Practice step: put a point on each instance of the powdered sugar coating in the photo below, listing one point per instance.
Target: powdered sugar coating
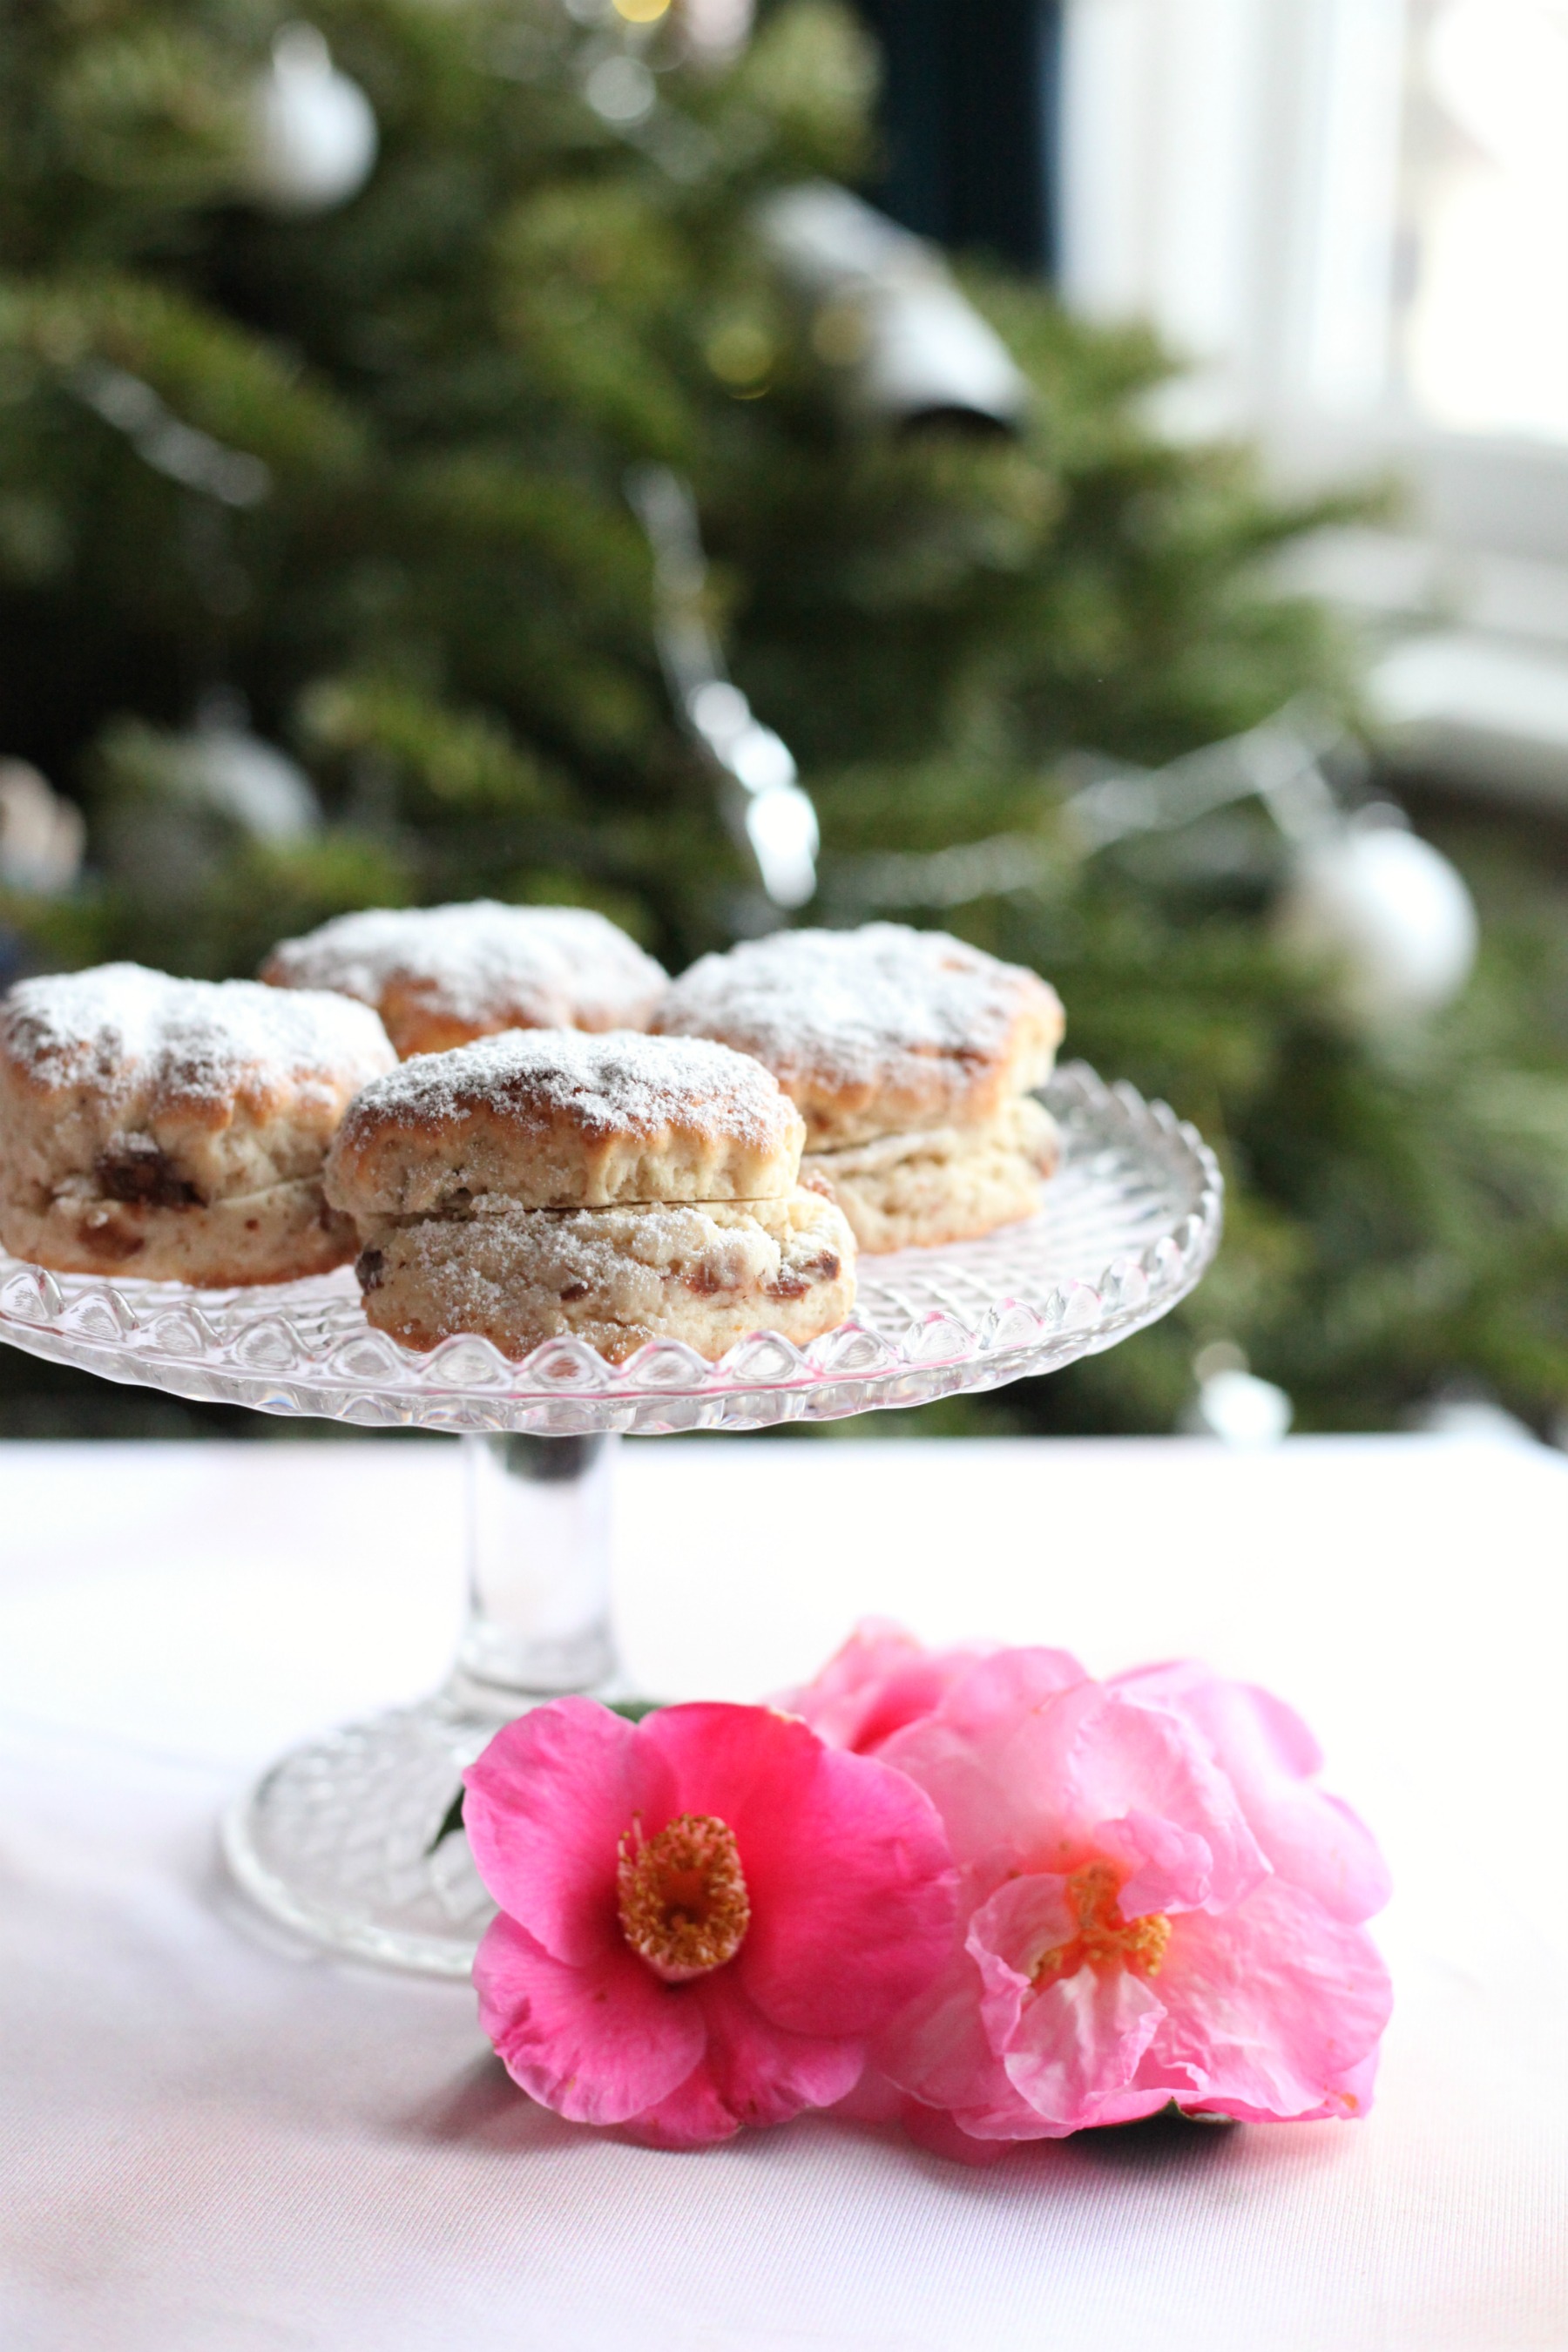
(875, 1029)
(124, 1032)
(440, 975)
(176, 1128)
(706, 1272)
(563, 1118)
(616, 1083)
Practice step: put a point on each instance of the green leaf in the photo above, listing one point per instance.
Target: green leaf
(452, 1823)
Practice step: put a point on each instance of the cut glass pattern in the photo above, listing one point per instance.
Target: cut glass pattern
(1127, 1227)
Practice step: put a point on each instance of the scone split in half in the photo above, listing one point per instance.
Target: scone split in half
(910, 1055)
(613, 1188)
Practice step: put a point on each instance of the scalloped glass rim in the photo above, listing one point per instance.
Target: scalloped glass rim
(1130, 1223)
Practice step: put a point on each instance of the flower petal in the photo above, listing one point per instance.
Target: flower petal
(1074, 2043)
(544, 1808)
(752, 2073)
(1167, 1867)
(1008, 1938)
(937, 2052)
(1132, 1766)
(1273, 2010)
(1076, 1774)
(872, 2099)
(694, 2115)
(998, 1686)
(765, 2074)
(851, 1884)
(854, 1900)
(1079, 2043)
(598, 2043)
(992, 1758)
(880, 1681)
(1268, 1755)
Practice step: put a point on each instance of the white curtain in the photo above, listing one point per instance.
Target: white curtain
(1230, 168)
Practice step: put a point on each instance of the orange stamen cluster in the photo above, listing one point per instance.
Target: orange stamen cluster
(682, 1896)
(1104, 1938)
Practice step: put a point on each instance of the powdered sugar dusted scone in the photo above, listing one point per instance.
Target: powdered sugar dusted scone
(622, 1188)
(441, 976)
(555, 1119)
(176, 1129)
(910, 1055)
(707, 1272)
(942, 1183)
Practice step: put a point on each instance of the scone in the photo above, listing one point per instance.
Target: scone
(617, 1188)
(176, 1129)
(910, 1057)
(441, 976)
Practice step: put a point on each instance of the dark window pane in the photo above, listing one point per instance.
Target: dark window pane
(970, 121)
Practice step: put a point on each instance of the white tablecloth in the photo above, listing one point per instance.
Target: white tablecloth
(212, 2140)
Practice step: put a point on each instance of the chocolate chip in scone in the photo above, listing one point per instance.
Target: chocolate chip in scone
(135, 1171)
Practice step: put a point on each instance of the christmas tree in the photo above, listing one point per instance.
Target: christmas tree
(345, 372)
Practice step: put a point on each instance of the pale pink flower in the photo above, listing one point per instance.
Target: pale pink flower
(880, 1680)
(704, 1916)
(1156, 1903)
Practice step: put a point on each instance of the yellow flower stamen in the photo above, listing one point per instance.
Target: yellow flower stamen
(1104, 1938)
(682, 1896)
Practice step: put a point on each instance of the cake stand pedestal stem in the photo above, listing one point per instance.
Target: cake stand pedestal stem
(342, 1838)
(539, 1573)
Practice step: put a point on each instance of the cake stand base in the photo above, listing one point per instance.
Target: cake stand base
(341, 1839)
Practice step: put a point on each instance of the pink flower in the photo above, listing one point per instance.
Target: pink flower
(704, 1916)
(1156, 1903)
(880, 1681)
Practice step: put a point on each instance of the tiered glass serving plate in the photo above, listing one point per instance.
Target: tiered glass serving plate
(340, 1838)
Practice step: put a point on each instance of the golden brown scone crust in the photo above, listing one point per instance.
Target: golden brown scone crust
(876, 1031)
(555, 1119)
(707, 1273)
(942, 1184)
(441, 976)
(175, 1129)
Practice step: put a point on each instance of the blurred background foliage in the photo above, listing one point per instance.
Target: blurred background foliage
(319, 588)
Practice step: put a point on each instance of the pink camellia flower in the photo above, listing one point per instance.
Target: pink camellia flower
(1157, 1905)
(704, 1916)
(880, 1681)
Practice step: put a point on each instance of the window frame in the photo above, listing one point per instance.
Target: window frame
(1206, 148)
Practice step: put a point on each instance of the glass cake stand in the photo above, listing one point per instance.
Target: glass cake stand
(342, 1838)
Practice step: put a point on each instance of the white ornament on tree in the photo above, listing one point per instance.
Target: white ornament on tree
(313, 136)
(222, 769)
(188, 802)
(715, 30)
(41, 837)
(1386, 914)
(909, 344)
